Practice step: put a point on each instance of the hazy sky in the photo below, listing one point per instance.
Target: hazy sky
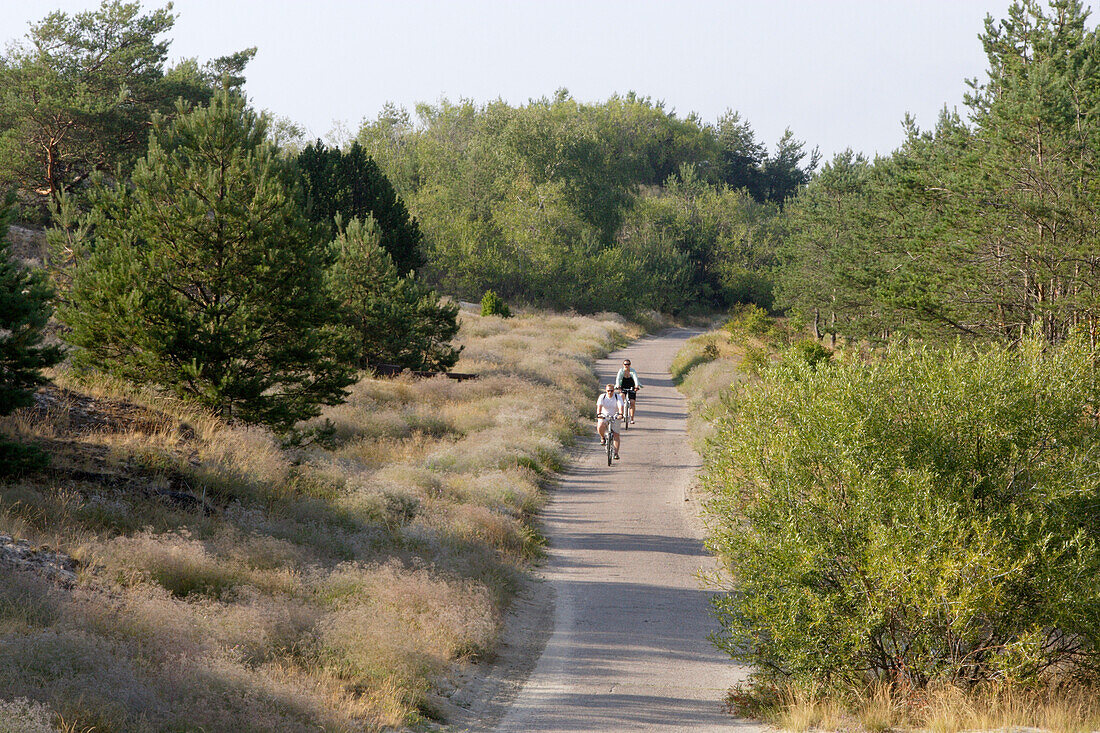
(840, 73)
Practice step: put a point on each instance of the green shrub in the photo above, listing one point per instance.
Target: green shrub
(929, 516)
(744, 285)
(755, 360)
(223, 302)
(393, 319)
(17, 459)
(493, 305)
(24, 310)
(748, 320)
(812, 352)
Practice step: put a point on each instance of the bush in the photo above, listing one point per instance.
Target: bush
(493, 305)
(930, 516)
(17, 459)
(755, 360)
(812, 352)
(748, 321)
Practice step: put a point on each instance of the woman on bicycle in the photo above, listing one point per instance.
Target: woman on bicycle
(608, 407)
(626, 381)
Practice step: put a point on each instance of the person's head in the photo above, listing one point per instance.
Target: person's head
(609, 389)
(626, 364)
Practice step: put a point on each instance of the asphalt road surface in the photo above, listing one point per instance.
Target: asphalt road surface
(629, 647)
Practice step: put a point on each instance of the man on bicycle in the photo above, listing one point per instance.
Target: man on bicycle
(608, 407)
(626, 381)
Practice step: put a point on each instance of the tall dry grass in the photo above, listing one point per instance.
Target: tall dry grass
(228, 581)
(938, 709)
(706, 366)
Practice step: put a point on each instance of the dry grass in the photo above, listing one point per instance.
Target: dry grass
(707, 365)
(229, 582)
(940, 709)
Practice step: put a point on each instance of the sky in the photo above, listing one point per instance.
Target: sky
(839, 73)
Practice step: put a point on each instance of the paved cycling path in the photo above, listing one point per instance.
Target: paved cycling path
(628, 649)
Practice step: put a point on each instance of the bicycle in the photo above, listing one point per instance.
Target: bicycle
(626, 409)
(611, 432)
(629, 405)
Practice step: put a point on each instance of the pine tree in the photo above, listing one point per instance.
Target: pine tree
(24, 311)
(206, 278)
(1037, 139)
(78, 94)
(742, 156)
(396, 320)
(784, 173)
(350, 185)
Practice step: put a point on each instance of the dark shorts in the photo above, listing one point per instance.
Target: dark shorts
(632, 394)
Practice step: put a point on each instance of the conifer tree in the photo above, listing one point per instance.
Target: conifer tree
(206, 278)
(396, 320)
(24, 310)
(742, 156)
(352, 186)
(77, 95)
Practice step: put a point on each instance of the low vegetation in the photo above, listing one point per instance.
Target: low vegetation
(908, 535)
(938, 708)
(230, 580)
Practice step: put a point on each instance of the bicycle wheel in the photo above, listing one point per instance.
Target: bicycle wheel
(610, 443)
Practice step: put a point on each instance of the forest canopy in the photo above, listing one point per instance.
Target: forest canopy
(591, 206)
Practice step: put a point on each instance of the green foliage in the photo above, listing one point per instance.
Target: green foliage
(342, 186)
(395, 320)
(78, 96)
(746, 166)
(700, 245)
(66, 241)
(928, 516)
(221, 302)
(824, 271)
(742, 155)
(755, 360)
(748, 321)
(593, 207)
(24, 311)
(812, 352)
(17, 459)
(493, 305)
(983, 227)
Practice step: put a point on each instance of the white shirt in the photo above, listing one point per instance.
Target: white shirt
(608, 405)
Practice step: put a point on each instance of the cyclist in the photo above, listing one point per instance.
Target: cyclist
(608, 407)
(626, 381)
